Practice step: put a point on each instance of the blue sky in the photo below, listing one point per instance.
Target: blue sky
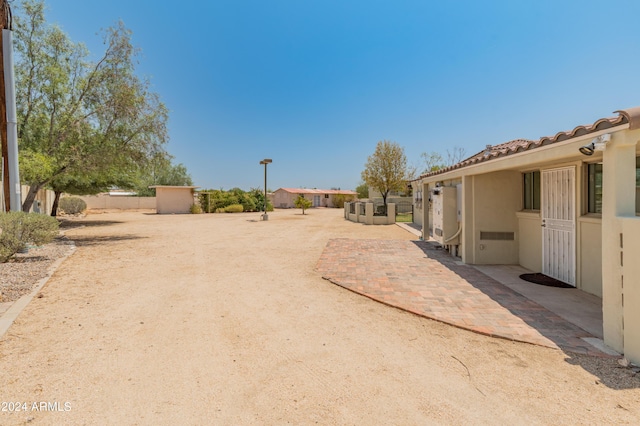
(315, 84)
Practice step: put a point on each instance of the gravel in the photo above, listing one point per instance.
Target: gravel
(23, 271)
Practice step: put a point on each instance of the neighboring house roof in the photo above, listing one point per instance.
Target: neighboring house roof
(173, 186)
(629, 116)
(317, 191)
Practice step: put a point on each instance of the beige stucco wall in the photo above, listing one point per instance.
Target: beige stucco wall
(173, 200)
(530, 240)
(598, 257)
(283, 199)
(631, 273)
(365, 215)
(496, 199)
(619, 172)
(590, 255)
(119, 202)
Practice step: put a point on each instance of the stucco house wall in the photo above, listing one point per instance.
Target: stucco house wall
(590, 255)
(602, 243)
(494, 212)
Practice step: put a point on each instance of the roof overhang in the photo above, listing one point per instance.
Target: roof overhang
(558, 152)
(511, 153)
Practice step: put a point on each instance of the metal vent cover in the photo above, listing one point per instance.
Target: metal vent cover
(497, 236)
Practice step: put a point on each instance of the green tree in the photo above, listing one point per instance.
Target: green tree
(302, 203)
(159, 170)
(340, 199)
(363, 191)
(89, 183)
(434, 161)
(214, 199)
(77, 117)
(386, 169)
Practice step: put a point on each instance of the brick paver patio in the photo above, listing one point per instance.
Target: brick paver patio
(418, 277)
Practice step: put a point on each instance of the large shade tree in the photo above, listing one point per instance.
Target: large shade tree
(386, 169)
(81, 123)
(161, 171)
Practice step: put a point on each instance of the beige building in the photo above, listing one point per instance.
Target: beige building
(43, 202)
(284, 198)
(566, 206)
(174, 199)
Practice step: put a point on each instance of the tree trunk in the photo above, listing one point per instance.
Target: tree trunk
(31, 196)
(56, 201)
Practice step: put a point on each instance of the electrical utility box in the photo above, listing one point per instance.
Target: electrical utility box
(445, 214)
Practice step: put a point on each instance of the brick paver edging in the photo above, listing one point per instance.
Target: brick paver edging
(419, 278)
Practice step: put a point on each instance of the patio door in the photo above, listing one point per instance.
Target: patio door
(559, 224)
(316, 201)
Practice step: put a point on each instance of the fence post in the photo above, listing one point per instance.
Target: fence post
(391, 213)
(368, 209)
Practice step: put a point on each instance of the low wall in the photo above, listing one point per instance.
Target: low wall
(365, 215)
(120, 202)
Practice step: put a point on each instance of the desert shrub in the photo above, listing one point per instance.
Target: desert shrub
(234, 208)
(213, 200)
(72, 205)
(220, 210)
(248, 202)
(195, 209)
(340, 199)
(18, 229)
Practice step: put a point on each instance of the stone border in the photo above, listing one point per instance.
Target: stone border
(7, 319)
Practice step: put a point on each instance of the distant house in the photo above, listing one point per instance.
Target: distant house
(284, 198)
(566, 206)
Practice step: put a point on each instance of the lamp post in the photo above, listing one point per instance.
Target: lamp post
(265, 162)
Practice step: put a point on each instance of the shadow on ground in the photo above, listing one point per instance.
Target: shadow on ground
(418, 277)
(608, 371)
(71, 224)
(84, 240)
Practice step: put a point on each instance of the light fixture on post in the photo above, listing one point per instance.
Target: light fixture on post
(265, 162)
(597, 144)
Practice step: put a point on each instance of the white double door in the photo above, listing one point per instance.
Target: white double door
(559, 224)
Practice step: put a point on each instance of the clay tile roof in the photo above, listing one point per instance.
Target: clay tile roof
(629, 116)
(632, 115)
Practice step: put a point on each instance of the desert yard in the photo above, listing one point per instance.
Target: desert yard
(223, 319)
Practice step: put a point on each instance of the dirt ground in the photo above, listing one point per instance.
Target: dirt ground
(222, 319)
